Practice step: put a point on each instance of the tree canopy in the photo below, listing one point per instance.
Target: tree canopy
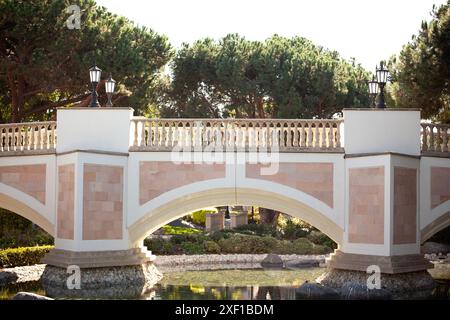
(280, 77)
(421, 72)
(44, 64)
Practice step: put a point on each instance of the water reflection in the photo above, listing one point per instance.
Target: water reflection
(225, 285)
(176, 292)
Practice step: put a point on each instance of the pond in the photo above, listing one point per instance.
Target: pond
(254, 284)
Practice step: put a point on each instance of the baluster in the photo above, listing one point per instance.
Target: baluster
(141, 142)
(32, 138)
(44, 137)
(309, 134)
(156, 134)
(135, 133)
(424, 137)
(431, 144)
(444, 139)
(338, 135)
(316, 135)
(288, 138)
(256, 130)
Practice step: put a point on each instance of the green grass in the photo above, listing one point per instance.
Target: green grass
(179, 230)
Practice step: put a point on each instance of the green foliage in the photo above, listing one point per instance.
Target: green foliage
(16, 231)
(257, 229)
(421, 72)
(293, 231)
(168, 229)
(238, 243)
(320, 238)
(44, 64)
(278, 78)
(199, 217)
(192, 248)
(229, 242)
(16, 257)
(159, 246)
(212, 247)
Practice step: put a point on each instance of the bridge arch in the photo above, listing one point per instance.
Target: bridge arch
(179, 207)
(434, 227)
(22, 204)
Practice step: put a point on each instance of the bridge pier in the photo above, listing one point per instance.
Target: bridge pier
(382, 191)
(91, 234)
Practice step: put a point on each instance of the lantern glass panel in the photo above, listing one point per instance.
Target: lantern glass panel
(110, 85)
(95, 74)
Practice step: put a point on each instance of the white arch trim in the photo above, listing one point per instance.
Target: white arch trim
(434, 227)
(20, 208)
(180, 206)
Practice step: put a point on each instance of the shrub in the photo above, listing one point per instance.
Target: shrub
(320, 249)
(212, 247)
(192, 248)
(193, 238)
(292, 231)
(239, 243)
(258, 229)
(320, 238)
(159, 246)
(16, 257)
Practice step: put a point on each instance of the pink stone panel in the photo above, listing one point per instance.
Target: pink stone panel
(66, 201)
(29, 179)
(440, 185)
(315, 179)
(405, 205)
(102, 202)
(156, 178)
(366, 205)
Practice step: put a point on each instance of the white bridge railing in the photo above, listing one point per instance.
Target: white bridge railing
(236, 134)
(435, 138)
(223, 134)
(27, 137)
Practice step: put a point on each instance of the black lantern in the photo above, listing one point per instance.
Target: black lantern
(382, 78)
(109, 88)
(95, 74)
(373, 90)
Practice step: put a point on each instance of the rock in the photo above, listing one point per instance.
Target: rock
(357, 291)
(29, 296)
(315, 291)
(434, 247)
(410, 285)
(119, 282)
(306, 263)
(272, 261)
(7, 277)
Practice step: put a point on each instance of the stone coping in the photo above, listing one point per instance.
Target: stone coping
(379, 109)
(387, 264)
(110, 153)
(371, 154)
(23, 153)
(94, 108)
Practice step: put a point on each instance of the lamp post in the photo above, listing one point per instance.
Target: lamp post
(373, 90)
(109, 88)
(382, 77)
(95, 74)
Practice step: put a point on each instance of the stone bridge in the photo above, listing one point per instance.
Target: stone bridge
(100, 180)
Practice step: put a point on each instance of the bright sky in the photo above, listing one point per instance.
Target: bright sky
(369, 30)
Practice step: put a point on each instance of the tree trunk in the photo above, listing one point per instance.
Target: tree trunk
(268, 216)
